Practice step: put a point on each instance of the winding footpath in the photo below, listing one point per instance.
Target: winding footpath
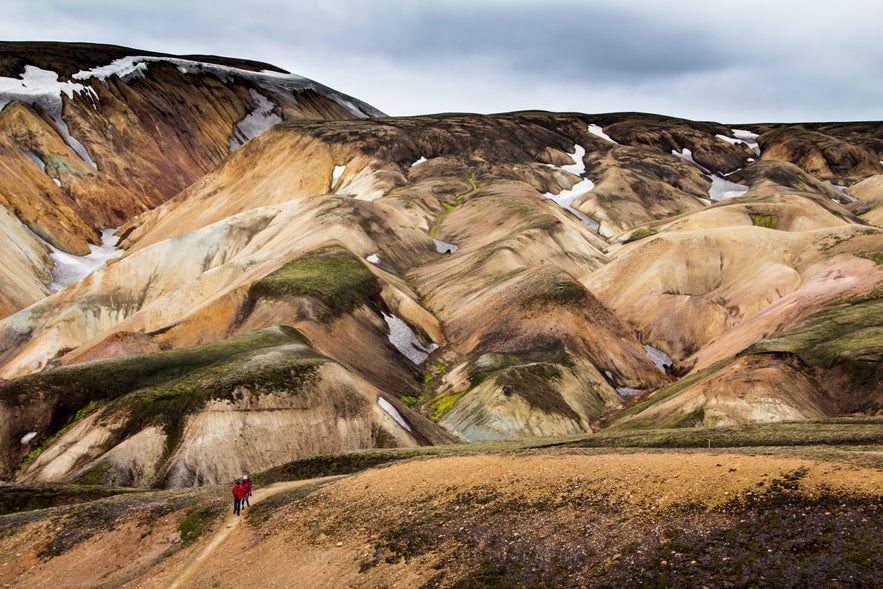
(231, 524)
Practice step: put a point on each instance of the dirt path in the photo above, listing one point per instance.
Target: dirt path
(231, 524)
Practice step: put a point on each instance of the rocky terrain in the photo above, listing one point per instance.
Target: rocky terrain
(778, 505)
(212, 267)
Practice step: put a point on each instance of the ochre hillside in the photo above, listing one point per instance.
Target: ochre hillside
(296, 270)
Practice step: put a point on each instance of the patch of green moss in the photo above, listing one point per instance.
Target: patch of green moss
(666, 393)
(850, 333)
(331, 275)
(876, 257)
(93, 476)
(537, 385)
(192, 526)
(565, 294)
(639, 234)
(164, 386)
(442, 404)
(767, 221)
(492, 362)
(168, 403)
(693, 419)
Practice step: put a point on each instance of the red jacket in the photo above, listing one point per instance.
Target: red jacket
(246, 486)
(238, 492)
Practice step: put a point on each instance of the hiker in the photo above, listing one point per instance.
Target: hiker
(246, 487)
(238, 494)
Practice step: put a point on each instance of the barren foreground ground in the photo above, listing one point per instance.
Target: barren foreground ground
(532, 518)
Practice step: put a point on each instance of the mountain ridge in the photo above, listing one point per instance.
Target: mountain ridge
(556, 273)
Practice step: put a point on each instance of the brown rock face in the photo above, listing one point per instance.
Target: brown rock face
(98, 147)
(488, 276)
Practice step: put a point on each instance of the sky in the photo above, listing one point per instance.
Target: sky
(731, 61)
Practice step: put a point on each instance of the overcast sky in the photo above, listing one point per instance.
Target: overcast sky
(725, 60)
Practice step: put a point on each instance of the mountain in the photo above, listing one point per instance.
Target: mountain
(298, 274)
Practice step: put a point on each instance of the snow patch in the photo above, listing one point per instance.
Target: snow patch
(687, 154)
(28, 437)
(420, 161)
(748, 138)
(598, 131)
(285, 84)
(373, 259)
(255, 122)
(628, 391)
(33, 157)
(335, 175)
(393, 412)
(722, 189)
(578, 167)
(39, 87)
(404, 340)
(70, 269)
(444, 247)
(660, 358)
(842, 190)
(565, 198)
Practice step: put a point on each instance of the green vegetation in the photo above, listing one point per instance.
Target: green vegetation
(639, 234)
(851, 333)
(876, 257)
(331, 275)
(442, 404)
(192, 526)
(94, 476)
(767, 221)
(565, 293)
(666, 392)
(161, 388)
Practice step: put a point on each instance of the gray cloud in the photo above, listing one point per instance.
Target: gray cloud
(723, 60)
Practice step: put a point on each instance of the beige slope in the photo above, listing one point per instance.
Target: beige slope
(25, 261)
(748, 390)
(735, 284)
(869, 193)
(223, 440)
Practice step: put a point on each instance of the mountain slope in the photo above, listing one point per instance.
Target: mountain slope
(490, 277)
(97, 134)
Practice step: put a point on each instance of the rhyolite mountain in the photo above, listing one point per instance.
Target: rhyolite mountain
(300, 274)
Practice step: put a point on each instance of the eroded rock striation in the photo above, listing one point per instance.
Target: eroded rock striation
(486, 277)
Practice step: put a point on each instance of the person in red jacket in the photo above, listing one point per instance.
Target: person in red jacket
(246, 487)
(238, 494)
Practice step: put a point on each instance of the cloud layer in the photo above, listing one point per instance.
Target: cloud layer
(745, 61)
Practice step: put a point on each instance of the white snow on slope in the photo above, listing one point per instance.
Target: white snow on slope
(598, 131)
(393, 412)
(39, 87)
(687, 154)
(255, 122)
(742, 136)
(70, 269)
(565, 198)
(720, 188)
(374, 259)
(420, 161)
(444, 247)
(748, 138)
(287, 84)
(660, 358)
(404, 340)
(335, 175)
(578, 167)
